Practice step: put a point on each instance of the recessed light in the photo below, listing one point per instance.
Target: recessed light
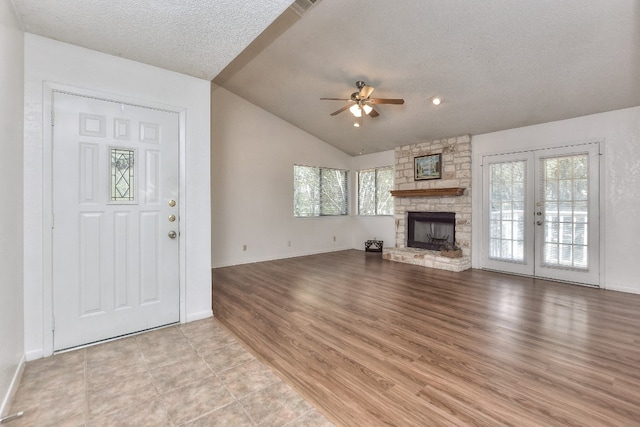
(356, 125)
(436, 100)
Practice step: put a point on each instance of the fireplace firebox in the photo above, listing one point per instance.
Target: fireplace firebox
(431, 230)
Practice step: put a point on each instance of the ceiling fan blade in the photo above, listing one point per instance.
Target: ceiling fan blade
(365, 92)
(335, 113)
(334, 99)
(374, 113)
(386, 101)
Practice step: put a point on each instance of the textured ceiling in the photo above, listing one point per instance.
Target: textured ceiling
(194, 37)
(498, 64)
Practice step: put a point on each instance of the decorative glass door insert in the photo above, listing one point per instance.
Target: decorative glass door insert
(122, 175)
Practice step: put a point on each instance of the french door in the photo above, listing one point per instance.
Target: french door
(115, 219)
(541, 213)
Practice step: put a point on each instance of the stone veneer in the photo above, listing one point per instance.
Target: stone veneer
(426, 258)
(456, 172)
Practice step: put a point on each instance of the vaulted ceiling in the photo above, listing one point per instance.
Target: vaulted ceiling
(497, 64)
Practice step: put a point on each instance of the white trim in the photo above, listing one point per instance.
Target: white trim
(34, 355)
(602, 212)
(182, 209)
(48, 90)
(250, 260)
(13, 388)
(199, 316)
(553, 146)
(622, 288)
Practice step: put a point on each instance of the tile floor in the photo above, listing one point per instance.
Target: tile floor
(195, 374)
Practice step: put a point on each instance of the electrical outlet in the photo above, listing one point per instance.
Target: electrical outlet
(334, 238)
(289, 243)
(244, 247)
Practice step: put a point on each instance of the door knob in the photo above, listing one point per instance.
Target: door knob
(172, 218)
(172, 234)
(172, 203)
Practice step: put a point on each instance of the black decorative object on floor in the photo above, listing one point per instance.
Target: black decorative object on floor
(373, 245)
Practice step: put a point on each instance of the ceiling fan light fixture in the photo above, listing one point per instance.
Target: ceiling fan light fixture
(436, 100)
(360, 101)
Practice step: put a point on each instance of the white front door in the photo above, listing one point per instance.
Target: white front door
(541, 213)
(115, 212)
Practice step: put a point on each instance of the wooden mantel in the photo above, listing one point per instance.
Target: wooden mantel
(429, 192)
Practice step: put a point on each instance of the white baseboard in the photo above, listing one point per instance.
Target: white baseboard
(621, 288)
(192, 317)
(232, 262)
(13, 388)
(34, 354)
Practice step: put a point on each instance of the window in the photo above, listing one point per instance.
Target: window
(374, 191)
(319, 191)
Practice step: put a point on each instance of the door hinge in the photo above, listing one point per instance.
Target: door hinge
(52, 220)
(53, 323)
(53, 118)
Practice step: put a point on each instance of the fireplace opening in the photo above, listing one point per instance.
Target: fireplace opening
(431, 230)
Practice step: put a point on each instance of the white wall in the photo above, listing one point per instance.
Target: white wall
(252, 158)
(619, 134)
(11, 171)
(51, 62)
(371, 227)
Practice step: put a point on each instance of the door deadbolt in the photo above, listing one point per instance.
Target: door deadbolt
(172, 234)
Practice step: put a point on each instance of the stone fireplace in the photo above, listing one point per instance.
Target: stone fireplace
(448, 197)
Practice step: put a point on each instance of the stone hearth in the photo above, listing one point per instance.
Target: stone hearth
(427, 258)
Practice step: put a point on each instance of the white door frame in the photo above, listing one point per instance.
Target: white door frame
(478, 251)
(47, 194)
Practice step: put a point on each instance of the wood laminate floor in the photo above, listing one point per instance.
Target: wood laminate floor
(373, 342)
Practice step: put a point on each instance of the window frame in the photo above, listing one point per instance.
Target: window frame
(375, 171)
(321, 213)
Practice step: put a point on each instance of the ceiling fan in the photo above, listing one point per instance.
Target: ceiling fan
(360, 101)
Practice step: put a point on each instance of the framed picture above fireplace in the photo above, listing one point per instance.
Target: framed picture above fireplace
(428, 167)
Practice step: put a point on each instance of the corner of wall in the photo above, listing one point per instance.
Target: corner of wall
(13, 388)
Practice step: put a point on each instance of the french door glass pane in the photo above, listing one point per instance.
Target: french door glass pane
(507, 203)
(565, 211)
